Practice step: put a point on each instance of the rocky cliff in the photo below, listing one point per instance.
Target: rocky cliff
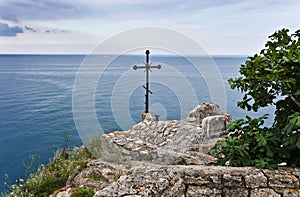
(167, 158)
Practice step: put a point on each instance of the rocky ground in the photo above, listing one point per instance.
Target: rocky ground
(171, 142)
(137, 179)
(166, 158)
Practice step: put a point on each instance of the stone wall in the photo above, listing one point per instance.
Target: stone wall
(192, 181)
(145, 179)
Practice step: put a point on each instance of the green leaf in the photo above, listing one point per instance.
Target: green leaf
(298, 92)
(298, 143)
(290, 80)
(285, 59)
(269, 152)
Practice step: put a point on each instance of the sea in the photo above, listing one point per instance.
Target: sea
(45, 97)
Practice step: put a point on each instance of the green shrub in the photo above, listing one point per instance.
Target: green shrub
(83, 192)
(249, 144)
(268, 78)
(52, 176)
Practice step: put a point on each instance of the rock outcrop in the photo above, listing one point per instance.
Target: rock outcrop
(165, 158)
(147, 179)
(171, 142)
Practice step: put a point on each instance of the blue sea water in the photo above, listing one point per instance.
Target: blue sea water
(36, 102)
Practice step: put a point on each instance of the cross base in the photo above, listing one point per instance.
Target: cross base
(146, 117)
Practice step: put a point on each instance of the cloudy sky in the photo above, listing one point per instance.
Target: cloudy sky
(77, 26)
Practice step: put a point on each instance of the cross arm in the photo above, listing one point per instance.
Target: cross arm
(135, 67)
(158, 66)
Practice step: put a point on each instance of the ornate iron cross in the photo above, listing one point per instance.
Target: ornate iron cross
(147, 68)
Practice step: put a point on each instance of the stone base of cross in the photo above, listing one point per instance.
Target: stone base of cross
(146, 116)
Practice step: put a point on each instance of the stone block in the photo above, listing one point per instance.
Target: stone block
(263, 192)
(291, 192)
(256, 179)
(232, 181)
(203, 110)
(236, 192)
(196, 191)
(213, 124)
(283, 180)
(216, 181)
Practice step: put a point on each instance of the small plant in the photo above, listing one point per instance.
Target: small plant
(83, 192)
(147, 156)
(29, 166)
(118, 173)
(5, 186)
(93, 176)
(66, 146)
(17, 190)
(94, 145)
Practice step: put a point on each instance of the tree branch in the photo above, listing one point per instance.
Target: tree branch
(295, 101)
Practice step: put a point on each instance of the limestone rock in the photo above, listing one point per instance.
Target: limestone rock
(256, 179)
(136, 178)
(205, 110)
(262, 192)
(196, 191)
(173, 141)
(165, 158)
(99, 175)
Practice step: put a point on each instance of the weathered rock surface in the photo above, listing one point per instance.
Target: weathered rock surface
(147, 179)
(171, 142)
(164, 158)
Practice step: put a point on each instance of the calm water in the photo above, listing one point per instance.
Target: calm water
(36, 101)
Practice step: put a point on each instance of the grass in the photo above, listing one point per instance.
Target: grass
(52, 176)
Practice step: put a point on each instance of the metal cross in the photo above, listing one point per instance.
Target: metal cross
(147, 67)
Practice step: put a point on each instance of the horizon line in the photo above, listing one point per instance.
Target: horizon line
(137, 54)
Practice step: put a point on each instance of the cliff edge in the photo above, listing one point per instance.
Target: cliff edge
(167, 158)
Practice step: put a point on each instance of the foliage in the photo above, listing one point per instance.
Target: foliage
(290, 135)
(144, 156)
(53, 176)
(66, 146)
(83, 192)
(94, 145)
(94, 176)
(29, 166)
(249, 144)
(274, 72)
(268, 78)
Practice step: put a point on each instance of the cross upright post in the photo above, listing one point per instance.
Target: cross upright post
(147, 68)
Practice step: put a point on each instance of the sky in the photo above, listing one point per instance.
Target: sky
(221, 27)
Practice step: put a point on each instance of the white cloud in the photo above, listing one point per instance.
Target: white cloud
(223, 26)
(19, 10)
